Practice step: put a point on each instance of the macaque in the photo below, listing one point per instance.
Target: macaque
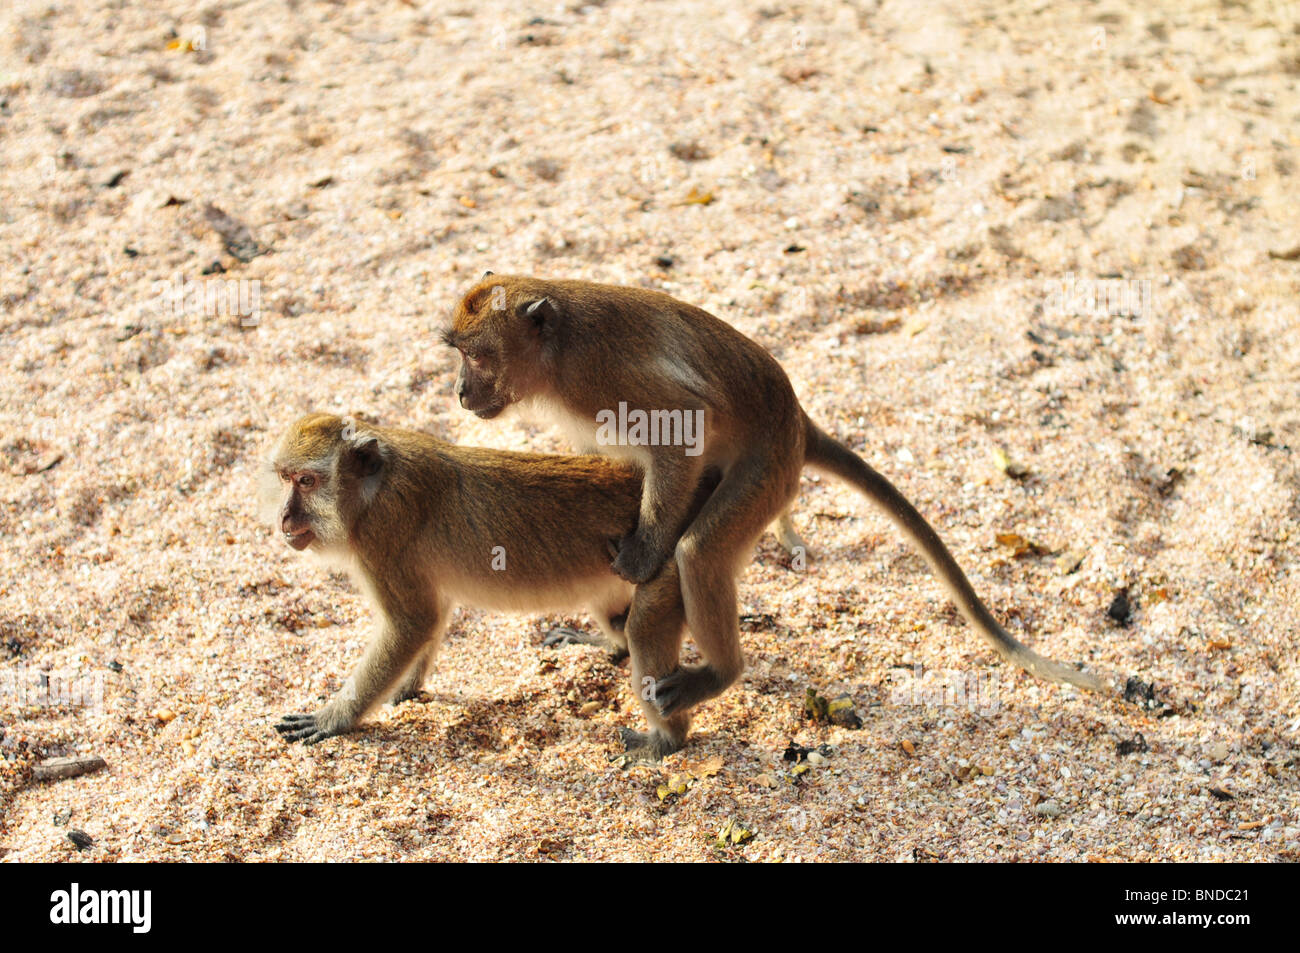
(423, 525)
(641, 376)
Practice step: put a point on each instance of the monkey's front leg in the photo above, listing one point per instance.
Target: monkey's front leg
(666, 499)
(390, 654)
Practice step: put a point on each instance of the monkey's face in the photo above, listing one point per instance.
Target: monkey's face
(498, 330)
(479, 383)
(297, 512)
(317, 482)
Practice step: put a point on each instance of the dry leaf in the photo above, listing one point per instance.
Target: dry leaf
(733, 833)
(1017, 471)
(878, 325)
(704, 769)
(1069, 562)
(696, 197)
(676, 787)
(1018, 545)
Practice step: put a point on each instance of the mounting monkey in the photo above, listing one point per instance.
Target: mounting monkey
(574, 353)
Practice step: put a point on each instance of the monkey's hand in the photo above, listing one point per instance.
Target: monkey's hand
(310, 729)
(639, 557)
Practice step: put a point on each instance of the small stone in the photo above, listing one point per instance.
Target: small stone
(1121, 610)
(1069, 562)
(59, 769)
(1048, 809)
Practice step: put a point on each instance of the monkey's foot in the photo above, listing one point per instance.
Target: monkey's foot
(309, 729)
(563, 635)
(411, 695)
(638, 559)
(645, 746)
(683, 689)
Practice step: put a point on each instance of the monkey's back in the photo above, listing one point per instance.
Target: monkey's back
(540, 524)
(696, 351)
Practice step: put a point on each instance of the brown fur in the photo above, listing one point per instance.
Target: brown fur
(418, 521)
(572, 349)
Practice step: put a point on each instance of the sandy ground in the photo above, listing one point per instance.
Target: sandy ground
(905, 202)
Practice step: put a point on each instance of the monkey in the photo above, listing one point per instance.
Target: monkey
(422, 526)
(570, 352)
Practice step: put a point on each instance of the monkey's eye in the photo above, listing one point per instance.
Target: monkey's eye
(306, 481)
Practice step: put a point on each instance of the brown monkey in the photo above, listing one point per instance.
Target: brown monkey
(577, 353)
(423, 525)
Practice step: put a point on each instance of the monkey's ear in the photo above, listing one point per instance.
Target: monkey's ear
(364, 459)
(364, 456)
(541, 311)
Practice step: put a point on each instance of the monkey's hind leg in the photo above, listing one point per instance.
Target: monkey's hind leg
(709, 555)
(654, 635)
(409, 687)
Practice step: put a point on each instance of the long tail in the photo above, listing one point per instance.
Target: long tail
(826, 454)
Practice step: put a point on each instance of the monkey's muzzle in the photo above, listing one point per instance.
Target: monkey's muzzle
(300, 540)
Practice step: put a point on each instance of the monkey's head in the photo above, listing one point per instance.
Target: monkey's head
(321, 475)
(500, 329)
